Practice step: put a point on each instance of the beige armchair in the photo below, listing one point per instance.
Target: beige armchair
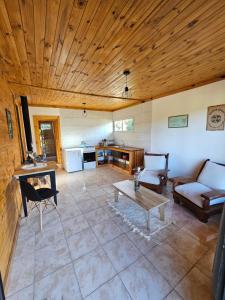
(154, 175)
(204, 195)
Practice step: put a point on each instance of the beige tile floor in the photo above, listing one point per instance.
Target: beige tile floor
(86, 252)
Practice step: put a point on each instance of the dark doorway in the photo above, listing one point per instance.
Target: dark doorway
(47, 139)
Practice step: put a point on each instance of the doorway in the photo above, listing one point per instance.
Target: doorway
(47, 139)
(47, 135)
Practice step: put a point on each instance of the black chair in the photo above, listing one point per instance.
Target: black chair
(38, 196)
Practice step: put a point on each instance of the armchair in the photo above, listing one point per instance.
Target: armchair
(154, 175)
(204, 195)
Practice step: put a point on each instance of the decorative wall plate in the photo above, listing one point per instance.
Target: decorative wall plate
(216, 117)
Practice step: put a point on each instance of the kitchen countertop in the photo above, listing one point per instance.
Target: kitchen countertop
(117, 147)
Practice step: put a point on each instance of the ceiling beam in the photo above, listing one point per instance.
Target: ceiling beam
(74, 93)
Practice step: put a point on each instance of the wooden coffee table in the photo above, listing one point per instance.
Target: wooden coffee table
(143, 197)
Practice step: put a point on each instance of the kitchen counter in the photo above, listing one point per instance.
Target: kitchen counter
(124, 158)
(118, 148)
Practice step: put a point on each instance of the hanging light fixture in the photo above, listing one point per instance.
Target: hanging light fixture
(126, 92)
(84, 111)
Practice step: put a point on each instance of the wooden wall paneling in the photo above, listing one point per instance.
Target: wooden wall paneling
(39, 30)
(13, 10)
(60, 31)
(97, 29)
(59, 45)
(51, 21)
(10, 201)
(84, 25)
(72, 27)
(27, 16)
(93, 57)
(148, 53)
(9, 42)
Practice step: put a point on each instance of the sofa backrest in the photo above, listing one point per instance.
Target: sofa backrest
(155, 162)
(213, 175)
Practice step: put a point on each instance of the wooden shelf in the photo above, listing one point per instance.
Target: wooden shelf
(133, 157)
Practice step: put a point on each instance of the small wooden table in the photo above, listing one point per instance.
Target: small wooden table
(143, 197)
(24, 174)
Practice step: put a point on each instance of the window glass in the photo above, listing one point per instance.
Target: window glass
(128, 125)
(118, 125)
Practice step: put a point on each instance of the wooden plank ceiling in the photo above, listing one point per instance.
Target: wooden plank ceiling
(64, 53)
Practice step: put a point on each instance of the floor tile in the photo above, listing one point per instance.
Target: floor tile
(106, 231)
(48, 237)
(24, 251)
(144, 282)
(51, 258)
(93, 270)
(82, 243)
(70, 211)
(24, 294)
(97, 216)
(195, 286)
(87, 206)
(173, 296)
(121, 252)
(112, 290)
(169, 263)
(61, 284)
(187, 246)
(205, 264)
(140, 242)
(122, 225)
(21, 274)
(74, 225)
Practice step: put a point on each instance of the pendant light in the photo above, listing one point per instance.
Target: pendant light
(84, 111)
(126, 92)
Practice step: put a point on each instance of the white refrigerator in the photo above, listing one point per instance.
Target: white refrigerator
(72, 160)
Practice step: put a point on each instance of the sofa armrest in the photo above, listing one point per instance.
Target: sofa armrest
(214, 194)
(181, 180)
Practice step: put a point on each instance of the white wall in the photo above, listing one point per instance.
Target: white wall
(141, 136)
(75, 128)
(188, 146)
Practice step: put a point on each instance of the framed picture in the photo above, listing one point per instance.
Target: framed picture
(216, 118)
(179, 121)
(9, 123)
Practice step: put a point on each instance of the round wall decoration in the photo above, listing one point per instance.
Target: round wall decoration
(216, 117)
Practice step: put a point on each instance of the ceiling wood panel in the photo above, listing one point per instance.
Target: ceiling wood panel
(63, 53)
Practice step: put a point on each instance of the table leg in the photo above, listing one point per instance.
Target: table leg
(149, 220)
(24, 201)
(162, 213)
(116, 194)
(53, 184)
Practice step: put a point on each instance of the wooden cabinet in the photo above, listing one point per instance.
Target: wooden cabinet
(123, 158)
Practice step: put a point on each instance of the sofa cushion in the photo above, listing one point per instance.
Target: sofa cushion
(154, 162)
(192, 191)
(213, 176)
(149, 177)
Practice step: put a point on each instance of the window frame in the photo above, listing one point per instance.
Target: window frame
(122, 120)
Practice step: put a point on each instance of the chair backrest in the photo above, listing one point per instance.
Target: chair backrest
(212, 175)
(29, 191)
(156, 161)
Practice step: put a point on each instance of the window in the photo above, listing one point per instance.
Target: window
(118, 125)
(124, 125)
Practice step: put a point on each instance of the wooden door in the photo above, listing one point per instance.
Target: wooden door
(47, 138)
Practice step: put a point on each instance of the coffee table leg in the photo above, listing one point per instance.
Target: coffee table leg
(149, 220)
(116, 194)
(162, 213)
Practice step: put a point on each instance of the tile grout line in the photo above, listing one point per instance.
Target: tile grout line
(116, 272)
(71, 260)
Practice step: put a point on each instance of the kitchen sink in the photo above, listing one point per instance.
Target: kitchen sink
(32, 166)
